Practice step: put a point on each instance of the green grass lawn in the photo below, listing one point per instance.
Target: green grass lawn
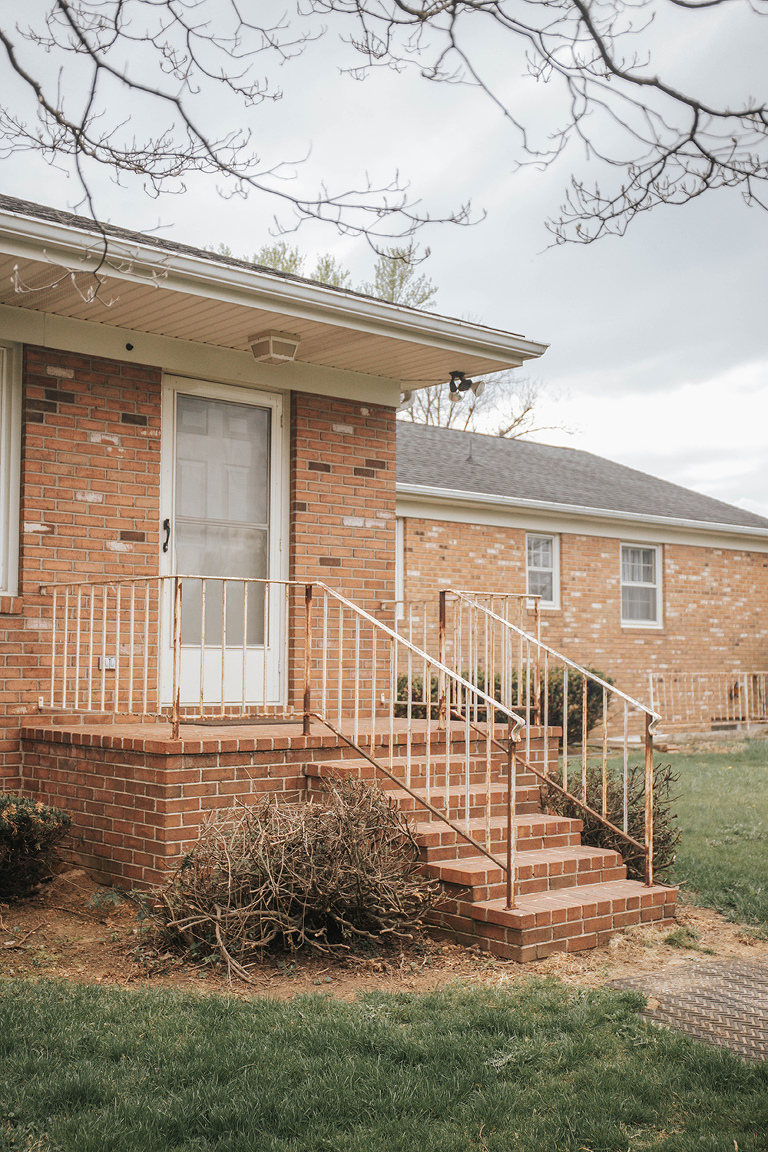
(538, 1068)
(723, 815)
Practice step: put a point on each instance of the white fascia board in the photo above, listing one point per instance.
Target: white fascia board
(575, 517)
(185, 358)
(66, 246)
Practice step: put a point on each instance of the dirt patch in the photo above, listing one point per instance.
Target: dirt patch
(74, 929)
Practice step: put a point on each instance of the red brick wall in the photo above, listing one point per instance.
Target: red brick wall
(715, 601)
(343, 497)
(90, 481)
(90, 490)
(342, 533)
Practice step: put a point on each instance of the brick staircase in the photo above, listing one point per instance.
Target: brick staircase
(568, 897)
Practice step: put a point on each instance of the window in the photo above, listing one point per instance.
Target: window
(10, 441)
(640, 585)
(542, 567)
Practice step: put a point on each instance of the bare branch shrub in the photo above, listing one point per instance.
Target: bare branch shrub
(295, 875)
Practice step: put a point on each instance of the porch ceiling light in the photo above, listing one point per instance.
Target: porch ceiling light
(274, 347)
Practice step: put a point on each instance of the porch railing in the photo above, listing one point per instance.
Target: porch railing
(703, 700)
(167, 646)
(546, 689)
(440, 726)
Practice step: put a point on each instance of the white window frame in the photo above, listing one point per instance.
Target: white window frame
(10, 466)
(399, 568)
(657, 551)
(555, 601)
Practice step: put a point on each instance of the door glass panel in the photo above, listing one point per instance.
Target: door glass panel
(222, 517)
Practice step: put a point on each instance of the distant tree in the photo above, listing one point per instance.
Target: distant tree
(280, 257)
(395, 279)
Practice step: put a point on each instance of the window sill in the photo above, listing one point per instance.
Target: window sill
(10, 605)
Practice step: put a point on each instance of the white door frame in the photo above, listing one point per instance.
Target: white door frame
(277, 653)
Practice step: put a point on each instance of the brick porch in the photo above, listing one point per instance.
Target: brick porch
(138, 799)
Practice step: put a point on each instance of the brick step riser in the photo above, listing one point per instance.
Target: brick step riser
(580, 936)
(499, 847)
(527, 800)
(566, 930)
(418, 774)
(534, 885)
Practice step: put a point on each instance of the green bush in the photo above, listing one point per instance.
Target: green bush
(575, 702)
(418, 707)
(555, 709)
(666, 834)
(29, 833)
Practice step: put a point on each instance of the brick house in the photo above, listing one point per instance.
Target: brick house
(199, 526)
(637, 576)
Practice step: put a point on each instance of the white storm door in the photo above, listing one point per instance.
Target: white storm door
(225, 476)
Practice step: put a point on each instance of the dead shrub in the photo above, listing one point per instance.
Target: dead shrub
(295, 875)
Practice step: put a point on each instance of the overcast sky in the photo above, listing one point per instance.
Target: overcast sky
(658, 340)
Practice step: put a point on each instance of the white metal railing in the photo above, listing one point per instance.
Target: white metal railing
(359, 670)
(546, 689)
(167, 645)
(708, 699)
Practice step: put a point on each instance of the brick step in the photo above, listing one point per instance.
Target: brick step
(535, 832)
(458, 804)
(545, 870)
(364, 770)
(454, 801)
(567, 920)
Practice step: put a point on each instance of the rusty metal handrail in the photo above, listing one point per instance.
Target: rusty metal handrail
(533, 679)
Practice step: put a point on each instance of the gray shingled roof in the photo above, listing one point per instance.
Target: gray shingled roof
(488, 465)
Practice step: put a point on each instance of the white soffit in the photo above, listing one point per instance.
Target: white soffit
(48, 267)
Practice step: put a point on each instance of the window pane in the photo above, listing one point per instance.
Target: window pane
(214, 550)
(638, 603)
(638, 565)
(539, 552)
(541, 584)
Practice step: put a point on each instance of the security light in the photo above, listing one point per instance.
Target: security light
(460, 382)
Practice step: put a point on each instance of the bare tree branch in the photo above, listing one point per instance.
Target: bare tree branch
(126, 85)
(129, 62)
(667, 144)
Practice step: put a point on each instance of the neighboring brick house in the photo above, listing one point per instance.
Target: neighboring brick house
(105, 472)
(636, 574)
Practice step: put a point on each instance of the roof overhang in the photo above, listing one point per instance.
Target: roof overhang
(49, 266)
(433, 497)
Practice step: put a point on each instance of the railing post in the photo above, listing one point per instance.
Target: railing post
(176, 657)
(308, 657)
(511, 806)
(537, 683)
(442, 709)
(648, 800)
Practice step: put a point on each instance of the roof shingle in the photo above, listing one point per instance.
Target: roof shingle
(523, 470)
